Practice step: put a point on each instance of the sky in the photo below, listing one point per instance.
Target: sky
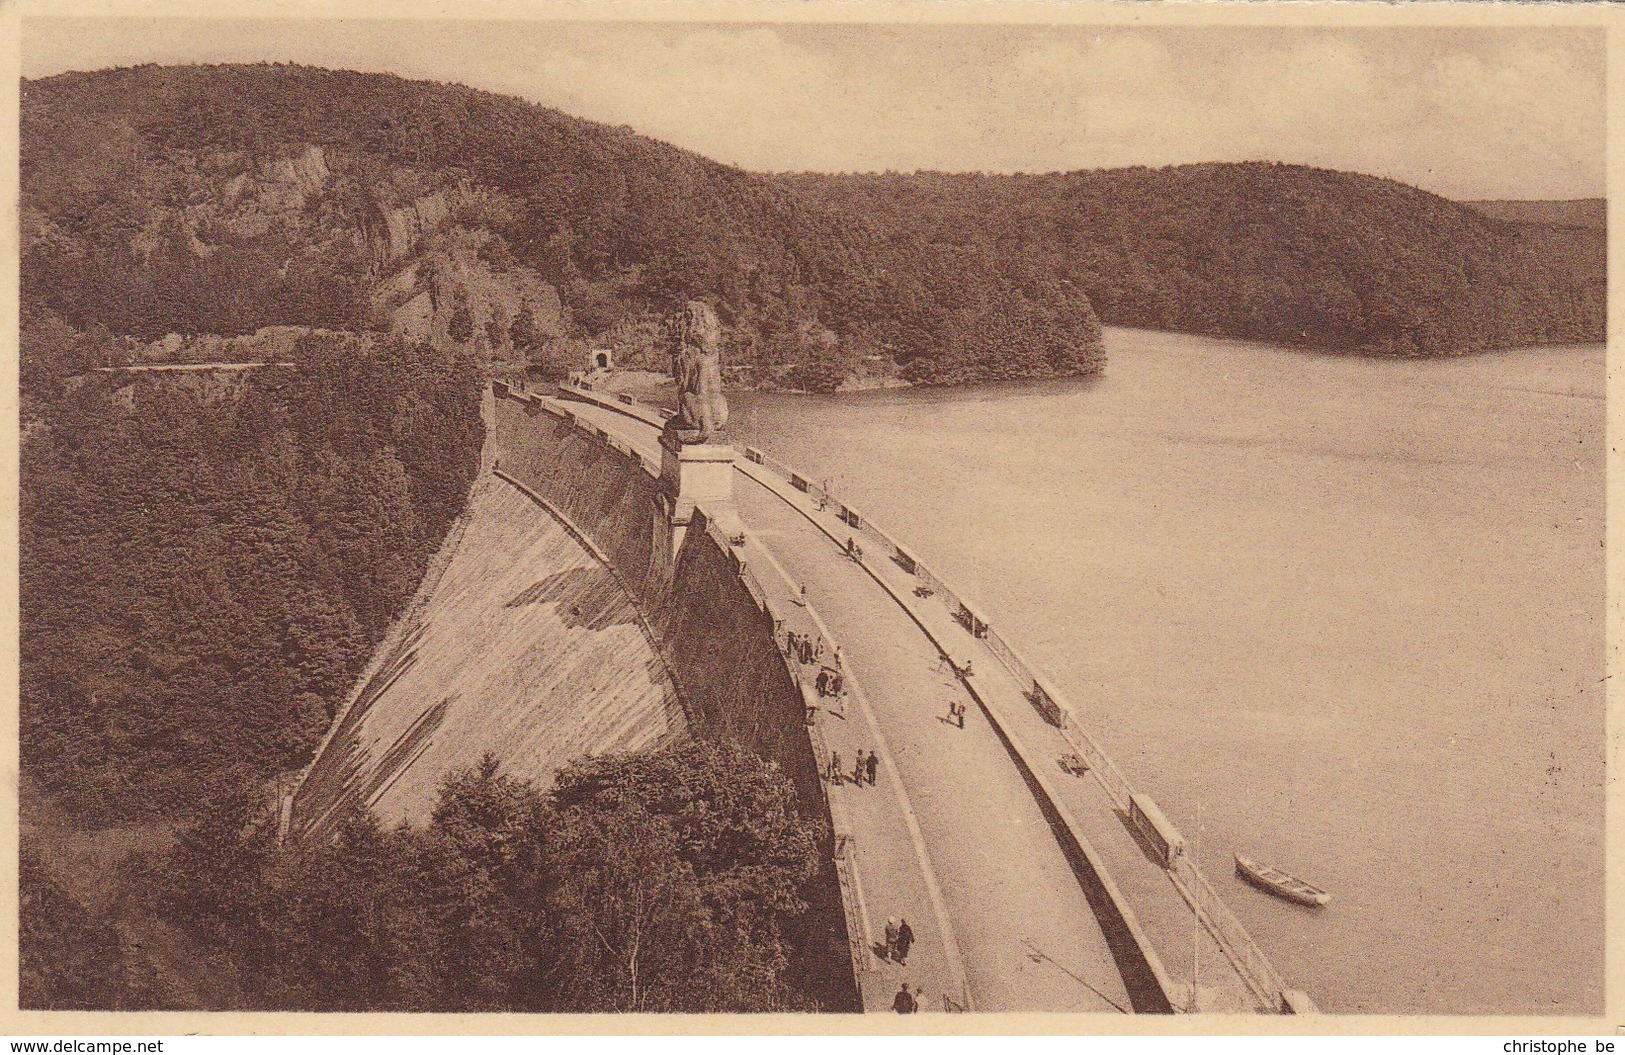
(1467, 113)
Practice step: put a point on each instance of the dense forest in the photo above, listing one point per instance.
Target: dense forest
(204, 567)
(1589, 213)
(208, 559)
(206, 563)
(226, 199)
(669, 881)
(1282, 253)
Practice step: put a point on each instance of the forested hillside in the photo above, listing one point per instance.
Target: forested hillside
(204, 568)
(670, 881)
(207, 560)
(1283, 253)
(219, 200)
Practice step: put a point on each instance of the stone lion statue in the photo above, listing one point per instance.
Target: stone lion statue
(696, 366)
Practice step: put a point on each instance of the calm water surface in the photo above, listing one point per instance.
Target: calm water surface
(1349, 610)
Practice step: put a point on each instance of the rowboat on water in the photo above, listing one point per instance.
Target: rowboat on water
(1279, 883)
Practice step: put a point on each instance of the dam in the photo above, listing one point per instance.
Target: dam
(1034, 877)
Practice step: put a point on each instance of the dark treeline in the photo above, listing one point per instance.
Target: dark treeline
(204, 568)
(69, 958)
(1283, 253)
(670, 881)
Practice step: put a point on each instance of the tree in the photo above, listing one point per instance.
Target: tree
(523, 331)
(679, 872)
(661, 881)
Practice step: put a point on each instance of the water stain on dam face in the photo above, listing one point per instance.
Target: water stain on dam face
(589, 598)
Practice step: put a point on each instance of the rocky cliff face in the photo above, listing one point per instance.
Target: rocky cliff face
(229, 198)
(394, 232)
(457, 286)
(430, 263)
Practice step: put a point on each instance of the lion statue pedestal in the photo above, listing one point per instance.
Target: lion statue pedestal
(692, 476)
(697, 473)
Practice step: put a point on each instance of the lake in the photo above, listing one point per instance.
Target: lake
(1349, 611)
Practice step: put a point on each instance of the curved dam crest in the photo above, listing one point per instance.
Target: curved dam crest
(685, 623)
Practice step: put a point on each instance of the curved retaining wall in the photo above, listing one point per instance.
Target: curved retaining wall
(716, 636)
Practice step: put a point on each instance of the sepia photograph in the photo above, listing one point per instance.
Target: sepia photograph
(822, 510)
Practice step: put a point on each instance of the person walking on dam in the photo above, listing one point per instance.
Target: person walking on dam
(835, 767)
(870, 767)
(858, 770)
(905, 942)
(891, 939)
(904, 1003)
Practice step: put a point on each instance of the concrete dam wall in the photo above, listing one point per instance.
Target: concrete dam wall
(520, 643)
(714, 638)
(548, 629)
(1129, 863)
(610, 591)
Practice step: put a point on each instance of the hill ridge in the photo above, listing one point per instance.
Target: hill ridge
(185, 199)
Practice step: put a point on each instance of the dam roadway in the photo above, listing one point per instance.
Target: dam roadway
(990, 889)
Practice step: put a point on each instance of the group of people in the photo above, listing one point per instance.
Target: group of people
(831, 682)
(864, 768)
(804, 648)
(899, 939)
(956, 712)
(808, 649)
